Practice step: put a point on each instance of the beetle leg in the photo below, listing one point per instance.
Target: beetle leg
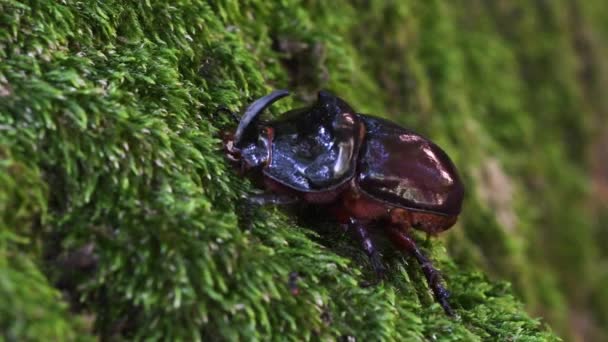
(432, 275)
(271, 199)
(249, 204)
(362, 234)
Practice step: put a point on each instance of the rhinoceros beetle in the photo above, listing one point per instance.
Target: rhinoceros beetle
(369, 172)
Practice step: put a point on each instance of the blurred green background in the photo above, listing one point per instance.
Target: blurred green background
(117, 207)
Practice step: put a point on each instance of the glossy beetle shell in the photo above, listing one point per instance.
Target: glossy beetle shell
(402, 168)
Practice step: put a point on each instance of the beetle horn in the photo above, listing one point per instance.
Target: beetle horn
(254, 110)
(325, 96)
(332, 103)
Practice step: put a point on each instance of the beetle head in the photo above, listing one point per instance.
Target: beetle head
(247, 145)
(250, 143)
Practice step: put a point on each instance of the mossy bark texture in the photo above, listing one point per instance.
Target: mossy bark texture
(118, 209)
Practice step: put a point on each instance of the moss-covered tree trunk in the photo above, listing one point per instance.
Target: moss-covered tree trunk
(117, 207)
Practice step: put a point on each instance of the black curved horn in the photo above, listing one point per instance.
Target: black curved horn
(254, 110)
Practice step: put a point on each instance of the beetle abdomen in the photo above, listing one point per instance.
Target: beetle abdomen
(402, 168)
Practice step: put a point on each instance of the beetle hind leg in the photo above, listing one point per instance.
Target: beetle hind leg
(361, 233)
(432, 275)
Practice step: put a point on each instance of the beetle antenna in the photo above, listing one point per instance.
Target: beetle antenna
(254, 110)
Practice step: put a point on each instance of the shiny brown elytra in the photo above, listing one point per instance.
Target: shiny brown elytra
(366, 170)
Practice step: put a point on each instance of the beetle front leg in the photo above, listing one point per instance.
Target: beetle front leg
(432, 275)
(362, 234)
(270, 199)
(250, 203)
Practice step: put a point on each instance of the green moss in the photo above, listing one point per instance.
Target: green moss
(109, 134)
(31, 307)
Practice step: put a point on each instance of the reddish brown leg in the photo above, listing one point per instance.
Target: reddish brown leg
(361, 233)
(432, 275)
